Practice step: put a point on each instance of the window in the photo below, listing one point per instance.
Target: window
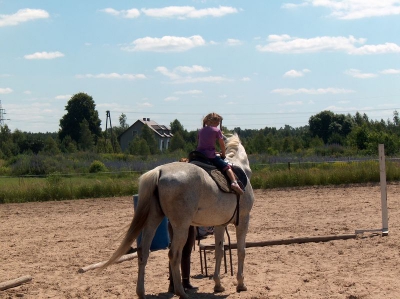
(134, 133)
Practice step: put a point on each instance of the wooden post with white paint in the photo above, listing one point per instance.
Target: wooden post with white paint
(382, 171)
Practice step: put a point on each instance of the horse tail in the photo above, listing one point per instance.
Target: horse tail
(147, 187)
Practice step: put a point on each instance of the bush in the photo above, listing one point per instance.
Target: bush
(97, 166)
(54, 178)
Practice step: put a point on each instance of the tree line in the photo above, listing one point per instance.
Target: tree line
(326, 133)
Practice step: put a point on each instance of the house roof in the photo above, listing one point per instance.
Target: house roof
(160, 130)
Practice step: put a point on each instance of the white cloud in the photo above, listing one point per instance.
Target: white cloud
(174, 74)
(296, 74)
(245, 79)
(176, 77)
(354, 9)
(292, 5)
(233, 42)
(293, 103)
(44, 55)
(192, 69)
(376, 49)
(5, 90)
(63, 97)
(358, 74)
(312, 91)
(164, 71)
(390, 72)
(113, 76)
(193, 91)
(286, 44)
(23, 15)
(127, 14)
(186, 12)
(27, 92)
(293, 74)
(209, 79)
(5, 75)
(278, 38)
(171, 99)
(145, 104)
(165, 44)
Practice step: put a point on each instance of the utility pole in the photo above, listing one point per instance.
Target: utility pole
(2, 112)
(111, 138)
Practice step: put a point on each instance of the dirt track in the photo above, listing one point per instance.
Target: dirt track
(51, 240)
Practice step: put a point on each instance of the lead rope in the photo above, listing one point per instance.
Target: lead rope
(237, 209)
(230, 249)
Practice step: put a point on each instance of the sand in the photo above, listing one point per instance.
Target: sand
(51, 241)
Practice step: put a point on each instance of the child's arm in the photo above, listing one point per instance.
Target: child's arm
(222, 147)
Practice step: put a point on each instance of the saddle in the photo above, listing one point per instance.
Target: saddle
(221, 179)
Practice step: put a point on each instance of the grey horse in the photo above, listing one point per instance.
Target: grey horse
(187, 195)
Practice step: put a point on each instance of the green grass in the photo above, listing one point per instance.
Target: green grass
(322, 174)
(56, 187)
(61, 187)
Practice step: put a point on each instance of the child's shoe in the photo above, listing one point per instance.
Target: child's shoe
(235, 187)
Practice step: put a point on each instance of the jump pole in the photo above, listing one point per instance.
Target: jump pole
(15, 282)
(123, 258)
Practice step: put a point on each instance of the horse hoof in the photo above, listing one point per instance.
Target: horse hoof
(219, 289)
(242, 288)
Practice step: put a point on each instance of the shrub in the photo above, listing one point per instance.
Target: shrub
(97, 166)
(54, 179)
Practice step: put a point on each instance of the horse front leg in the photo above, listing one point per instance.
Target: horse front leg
(219, 250)
(175, 256)
(241, 232)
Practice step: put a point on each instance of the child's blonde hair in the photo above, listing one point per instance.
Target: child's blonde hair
(212, 117)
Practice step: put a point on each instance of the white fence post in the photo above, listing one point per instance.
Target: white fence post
(382, 171)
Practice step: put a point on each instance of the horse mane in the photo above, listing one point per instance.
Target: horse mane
(232, 145)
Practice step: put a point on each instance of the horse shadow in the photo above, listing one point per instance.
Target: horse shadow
(192, 295)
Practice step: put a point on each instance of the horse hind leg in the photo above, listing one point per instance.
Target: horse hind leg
(154, 219)
(175, 256)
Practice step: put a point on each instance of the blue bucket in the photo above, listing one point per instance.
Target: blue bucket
(161, 237)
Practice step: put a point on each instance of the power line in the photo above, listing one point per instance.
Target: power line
(261, 113)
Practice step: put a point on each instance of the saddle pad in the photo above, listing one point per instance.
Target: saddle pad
(221, 180)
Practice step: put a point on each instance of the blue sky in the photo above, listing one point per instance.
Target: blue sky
(257, 63)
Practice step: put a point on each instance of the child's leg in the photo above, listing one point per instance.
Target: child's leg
(223, 166)
(234, 184)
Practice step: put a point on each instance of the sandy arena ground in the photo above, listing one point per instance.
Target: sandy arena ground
(51, 240)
